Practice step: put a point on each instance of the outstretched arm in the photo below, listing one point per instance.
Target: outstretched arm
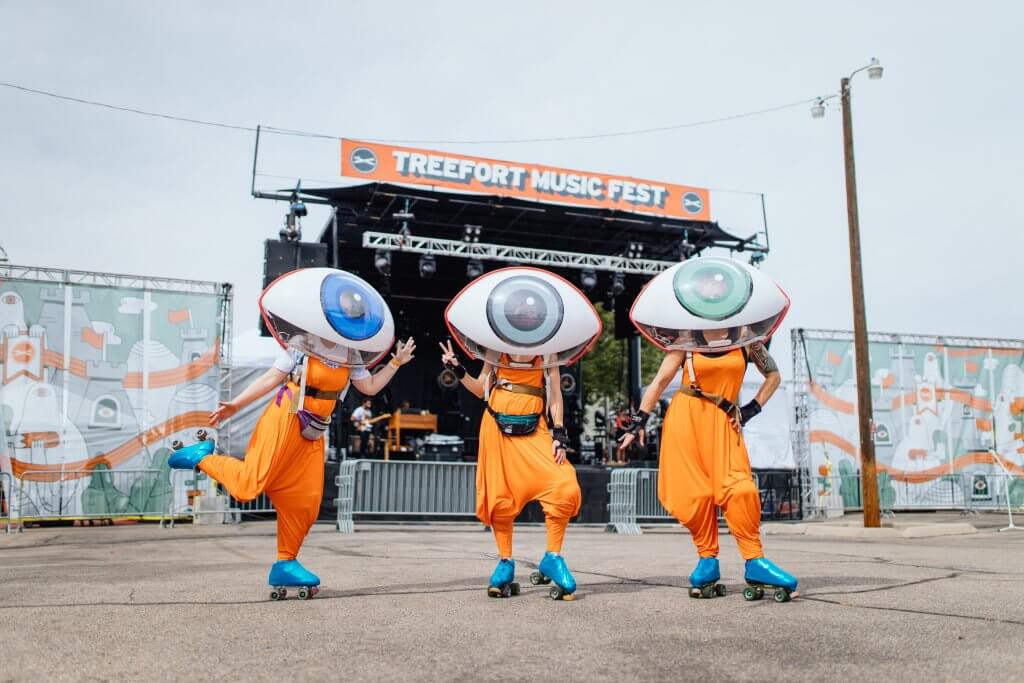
(262, 385)
(372, 385)
(669, 367)
(474, 385)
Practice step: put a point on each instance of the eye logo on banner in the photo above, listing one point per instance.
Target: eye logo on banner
(363, 160)
(692, 203)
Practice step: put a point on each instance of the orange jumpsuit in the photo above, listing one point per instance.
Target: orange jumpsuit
(513, 470)
(704, 462)
(280, 462)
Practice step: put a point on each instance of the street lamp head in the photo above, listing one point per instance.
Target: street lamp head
(874, 70)
(818, 109)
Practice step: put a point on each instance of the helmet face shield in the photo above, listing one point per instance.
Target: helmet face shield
(520, 315)
(329, 314)
(709, 304)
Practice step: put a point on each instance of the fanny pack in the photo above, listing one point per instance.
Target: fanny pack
(311, 426)
(515, 425)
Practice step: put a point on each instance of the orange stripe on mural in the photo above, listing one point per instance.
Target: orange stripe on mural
(178, 375)
(834, 402)
(957, 395)
(113, 458)
(833, 439)
(960, 352)
(373, 161)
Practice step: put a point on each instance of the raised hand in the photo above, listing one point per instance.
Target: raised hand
(404, 351)
(448, 356)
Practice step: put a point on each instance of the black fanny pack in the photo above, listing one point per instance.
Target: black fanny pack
(515, 425)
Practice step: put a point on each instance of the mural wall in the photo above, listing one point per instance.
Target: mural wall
(96, 382)
(939, 410)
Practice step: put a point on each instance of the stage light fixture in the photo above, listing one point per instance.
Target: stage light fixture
(471, 233)
(618, 284)
(588, 279)
(636, 250)
(756, 258)
(382, 261)
(298, 208)
(428, 265)
(474, 269)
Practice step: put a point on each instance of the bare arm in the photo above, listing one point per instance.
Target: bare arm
(669, 367)
(555, 408)
(372, 385)
(474, 385)
(262, 385)
(767, 367)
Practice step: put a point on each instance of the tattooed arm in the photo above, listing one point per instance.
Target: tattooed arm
(759, 355)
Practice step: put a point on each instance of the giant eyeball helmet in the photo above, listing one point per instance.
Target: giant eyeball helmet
(330, 314)
(522, 311)
(709, 304)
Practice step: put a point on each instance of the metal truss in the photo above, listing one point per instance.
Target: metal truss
(82, 277)
(909, 339)
(500, 252)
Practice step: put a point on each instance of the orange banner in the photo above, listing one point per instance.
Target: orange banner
(526, 181)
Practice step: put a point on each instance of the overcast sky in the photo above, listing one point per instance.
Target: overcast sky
(938, 139)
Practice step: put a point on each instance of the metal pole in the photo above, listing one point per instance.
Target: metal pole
(635, 388)
(869, 474)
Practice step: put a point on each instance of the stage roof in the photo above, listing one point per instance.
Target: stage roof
(520, 223)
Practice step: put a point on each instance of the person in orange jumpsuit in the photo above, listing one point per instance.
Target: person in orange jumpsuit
(704, 463)
(280, 461)
(514, 469)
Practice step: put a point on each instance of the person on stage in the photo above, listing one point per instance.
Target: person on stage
(523, 323)
(712, 316)
(361, 423)
(333, 327)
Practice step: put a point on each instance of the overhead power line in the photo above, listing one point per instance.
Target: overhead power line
(496, 141)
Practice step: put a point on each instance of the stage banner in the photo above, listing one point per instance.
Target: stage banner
(96, 381)
(374, 161)
(940, 408)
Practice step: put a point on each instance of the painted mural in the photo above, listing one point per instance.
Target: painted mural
(95, 384)
(939, 412)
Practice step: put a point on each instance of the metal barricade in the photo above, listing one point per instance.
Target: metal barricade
(998, 492)
(94, 494)
(185, 485)
(6, 497)
(395, 488)
(946, 492)
(622, 502)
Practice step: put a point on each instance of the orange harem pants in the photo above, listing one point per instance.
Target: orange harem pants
(704, 464)
(287, 467)
(512, 471)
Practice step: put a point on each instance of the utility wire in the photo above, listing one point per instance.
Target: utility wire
(505, 141)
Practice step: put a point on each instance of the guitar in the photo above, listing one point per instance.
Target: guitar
(363, 424)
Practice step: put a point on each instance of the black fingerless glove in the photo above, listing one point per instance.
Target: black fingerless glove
(637, 421)
(561, 435)
(748, 411)
(459, 371)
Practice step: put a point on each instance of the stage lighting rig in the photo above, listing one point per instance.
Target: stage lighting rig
(428, 265)
(474, 269)
(588, 279)
(636, 250)
(618, 284)
(471, 233)
(757, 258)
(382, 261)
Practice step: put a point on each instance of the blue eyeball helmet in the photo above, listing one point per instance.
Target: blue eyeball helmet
(330, 314)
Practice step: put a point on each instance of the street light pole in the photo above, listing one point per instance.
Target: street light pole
(868, 471)
(865, 421)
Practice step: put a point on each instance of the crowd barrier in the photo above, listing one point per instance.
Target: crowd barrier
(6, 496)
(966, 492)
(389, 488)
(233, 511)
(633, 494)
(95, 494)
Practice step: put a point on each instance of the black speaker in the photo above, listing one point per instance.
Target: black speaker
(283, 257)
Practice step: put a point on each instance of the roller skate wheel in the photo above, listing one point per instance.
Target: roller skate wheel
(707, 591)
(749, 593)
(313, 590)
(515, 588)
(177, 445)
(304, 593)
(201, 435)
(720, 590)
(759, 591)
(536, 578)
(694, 592)
(278, 594)
(506, 591)
(556, 593)
(781, 595)
(493, 592)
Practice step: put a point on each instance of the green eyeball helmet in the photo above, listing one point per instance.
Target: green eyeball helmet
(709, 304)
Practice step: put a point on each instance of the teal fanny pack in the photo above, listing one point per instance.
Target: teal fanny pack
(515, 425)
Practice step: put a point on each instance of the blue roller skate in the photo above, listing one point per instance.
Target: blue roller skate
(188, 457)
(502, 585)
(704, 579)
(762, 573)
(553, 568)
(287, 574)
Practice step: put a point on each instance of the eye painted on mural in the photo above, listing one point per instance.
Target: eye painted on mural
(709, 304)
(525, 312)
(330, 314)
